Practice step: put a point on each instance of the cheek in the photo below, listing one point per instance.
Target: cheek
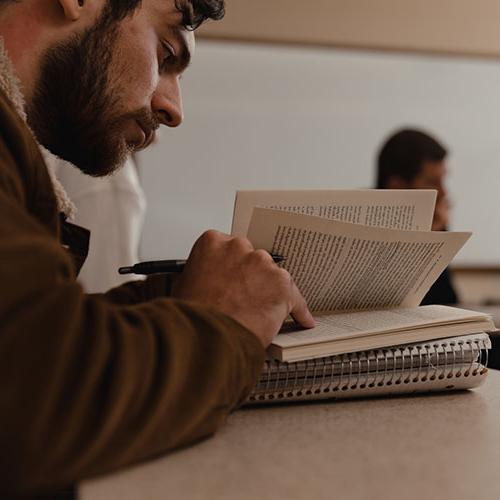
(137, 70)
(139, 82)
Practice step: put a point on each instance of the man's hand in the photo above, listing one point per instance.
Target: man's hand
(227, 273)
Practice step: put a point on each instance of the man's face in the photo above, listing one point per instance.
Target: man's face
(102, 94)
(432, 175)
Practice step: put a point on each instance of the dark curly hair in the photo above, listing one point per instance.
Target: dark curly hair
(194, 12)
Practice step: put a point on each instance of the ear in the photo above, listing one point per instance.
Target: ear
(396, 182)
(72, 9)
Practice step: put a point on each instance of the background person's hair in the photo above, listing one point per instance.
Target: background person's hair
(404, 154)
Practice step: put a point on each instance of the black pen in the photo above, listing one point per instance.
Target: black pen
(167, 266)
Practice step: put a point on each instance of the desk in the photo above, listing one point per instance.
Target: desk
(423, 447)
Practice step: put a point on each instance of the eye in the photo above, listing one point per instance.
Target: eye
(168, 55)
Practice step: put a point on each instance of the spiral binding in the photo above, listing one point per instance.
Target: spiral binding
(369, 370)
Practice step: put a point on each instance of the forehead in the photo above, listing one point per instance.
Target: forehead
(166, 18)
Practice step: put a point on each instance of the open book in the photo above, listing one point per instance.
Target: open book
(363, 260)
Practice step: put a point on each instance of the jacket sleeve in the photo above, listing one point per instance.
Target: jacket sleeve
(92, 383)
(134, 292)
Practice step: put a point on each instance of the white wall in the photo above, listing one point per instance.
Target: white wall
(275, 117)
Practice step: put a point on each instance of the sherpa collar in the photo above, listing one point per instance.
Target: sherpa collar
(10, 84)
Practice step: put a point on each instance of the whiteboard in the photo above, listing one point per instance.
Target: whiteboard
(274, 117)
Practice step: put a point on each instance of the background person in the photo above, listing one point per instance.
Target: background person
(413, 159)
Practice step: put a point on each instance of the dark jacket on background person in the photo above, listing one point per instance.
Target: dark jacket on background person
(91, 383)
(442, 291)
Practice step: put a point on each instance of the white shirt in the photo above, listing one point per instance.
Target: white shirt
(113, 209)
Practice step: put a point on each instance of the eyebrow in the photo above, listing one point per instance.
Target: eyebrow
(184, 57)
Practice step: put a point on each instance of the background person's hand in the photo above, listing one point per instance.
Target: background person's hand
(228, 274)
(441, 218)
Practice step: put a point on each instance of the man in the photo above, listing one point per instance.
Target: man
(90, 383)
(412, 159)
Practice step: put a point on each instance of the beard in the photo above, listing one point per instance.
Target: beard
(75, 111)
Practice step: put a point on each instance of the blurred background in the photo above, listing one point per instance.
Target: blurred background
(289, 94)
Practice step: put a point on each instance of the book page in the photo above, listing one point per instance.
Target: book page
(340, 266)
(394, 209)
(338, 326)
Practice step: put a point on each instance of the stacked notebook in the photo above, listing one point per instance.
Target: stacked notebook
(363, 261)
(444, 365)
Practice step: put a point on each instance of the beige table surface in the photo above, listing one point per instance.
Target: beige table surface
(425, 447)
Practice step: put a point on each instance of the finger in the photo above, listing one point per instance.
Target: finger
(208, 241)
(214, 236)
(240, 244)
(300, 312)
(263, 257)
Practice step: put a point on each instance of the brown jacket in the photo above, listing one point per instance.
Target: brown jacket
(90, 383)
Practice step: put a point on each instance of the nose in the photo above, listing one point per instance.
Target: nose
(167, 102)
